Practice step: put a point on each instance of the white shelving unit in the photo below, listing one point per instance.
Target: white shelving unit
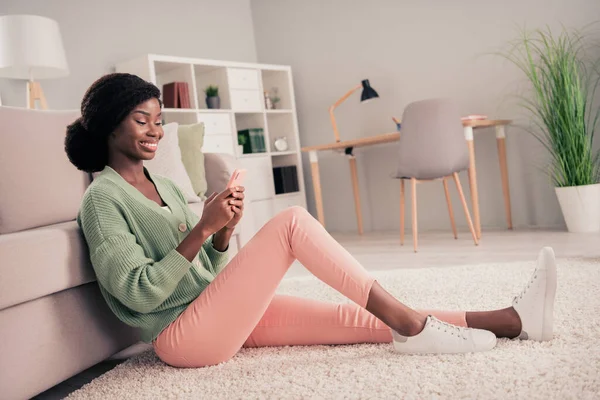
(241, 88)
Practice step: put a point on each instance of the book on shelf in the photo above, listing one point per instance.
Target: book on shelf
(176, 95)
(184, 95)
(170, 98)
(259, 140)
(255, 140)
(286, 179)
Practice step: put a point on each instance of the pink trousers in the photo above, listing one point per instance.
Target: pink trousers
(240, 308)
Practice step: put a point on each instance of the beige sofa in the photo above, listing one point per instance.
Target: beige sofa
(53, 320)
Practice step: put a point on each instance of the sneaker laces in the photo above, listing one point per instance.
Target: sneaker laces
(526, 288)
(452, 329)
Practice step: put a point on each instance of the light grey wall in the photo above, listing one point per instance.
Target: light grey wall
(412, 50)
(98, 34)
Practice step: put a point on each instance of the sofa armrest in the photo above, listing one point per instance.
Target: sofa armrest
(218, 167)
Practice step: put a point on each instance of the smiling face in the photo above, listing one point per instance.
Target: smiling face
(138, 135)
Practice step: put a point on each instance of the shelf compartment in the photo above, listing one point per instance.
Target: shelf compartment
(206, 75)
(246, 124)
(282, 125)
(283, 160)
(286, 181)
(167, 72)
(278, 83)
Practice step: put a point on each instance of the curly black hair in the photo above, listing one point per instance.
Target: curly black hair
(104, 106)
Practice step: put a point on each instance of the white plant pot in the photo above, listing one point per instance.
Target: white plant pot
(580, 206)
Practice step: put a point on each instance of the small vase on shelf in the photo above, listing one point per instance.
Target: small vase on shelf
(268, 102)
(213, 101)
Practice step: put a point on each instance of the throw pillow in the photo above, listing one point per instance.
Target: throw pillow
(38, 184)
(191, 140)
(167, 162)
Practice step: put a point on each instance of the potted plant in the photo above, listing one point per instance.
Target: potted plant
(563, 85)
(242, 140)
(275, 99)
(212, 96)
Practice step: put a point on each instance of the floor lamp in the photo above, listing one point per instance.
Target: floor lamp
(31, 47)
(368, 93)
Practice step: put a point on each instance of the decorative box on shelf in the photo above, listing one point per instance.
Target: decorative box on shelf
(243, 108)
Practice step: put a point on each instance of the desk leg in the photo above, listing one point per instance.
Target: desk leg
(356, 193)
(501, 141)
(316, 178)
(473, 180)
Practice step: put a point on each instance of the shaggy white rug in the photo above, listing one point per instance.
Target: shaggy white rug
(567, 367)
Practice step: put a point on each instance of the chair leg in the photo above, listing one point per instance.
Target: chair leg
(401, 212)
(450, 211)
(466, 208)
(413, 182)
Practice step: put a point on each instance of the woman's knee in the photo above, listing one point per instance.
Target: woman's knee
(288, 219)
(293, 212)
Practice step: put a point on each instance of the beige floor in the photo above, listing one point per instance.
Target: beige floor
(382, 251)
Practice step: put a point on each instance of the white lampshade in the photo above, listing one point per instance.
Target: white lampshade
(31, 48)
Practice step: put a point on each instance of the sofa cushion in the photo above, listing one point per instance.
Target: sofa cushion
(50, 339)
(42, 261)
(167, 162)
(38, 184)
(191, 140)
(219, 168)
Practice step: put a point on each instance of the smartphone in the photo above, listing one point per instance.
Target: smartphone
(237, 178)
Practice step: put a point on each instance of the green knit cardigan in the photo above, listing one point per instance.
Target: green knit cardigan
(132, 240)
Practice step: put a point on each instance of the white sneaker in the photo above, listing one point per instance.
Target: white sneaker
(535, 304)
(441, 338)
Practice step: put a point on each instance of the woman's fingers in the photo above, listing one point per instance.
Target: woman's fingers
(238, 193)
(227, 192)
(237, 203)
(212, 196)
(236, 209)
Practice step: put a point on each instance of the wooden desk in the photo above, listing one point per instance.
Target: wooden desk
(348, 146)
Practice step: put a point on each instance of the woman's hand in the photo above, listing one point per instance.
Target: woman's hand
(236, 201)
(218, 211)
